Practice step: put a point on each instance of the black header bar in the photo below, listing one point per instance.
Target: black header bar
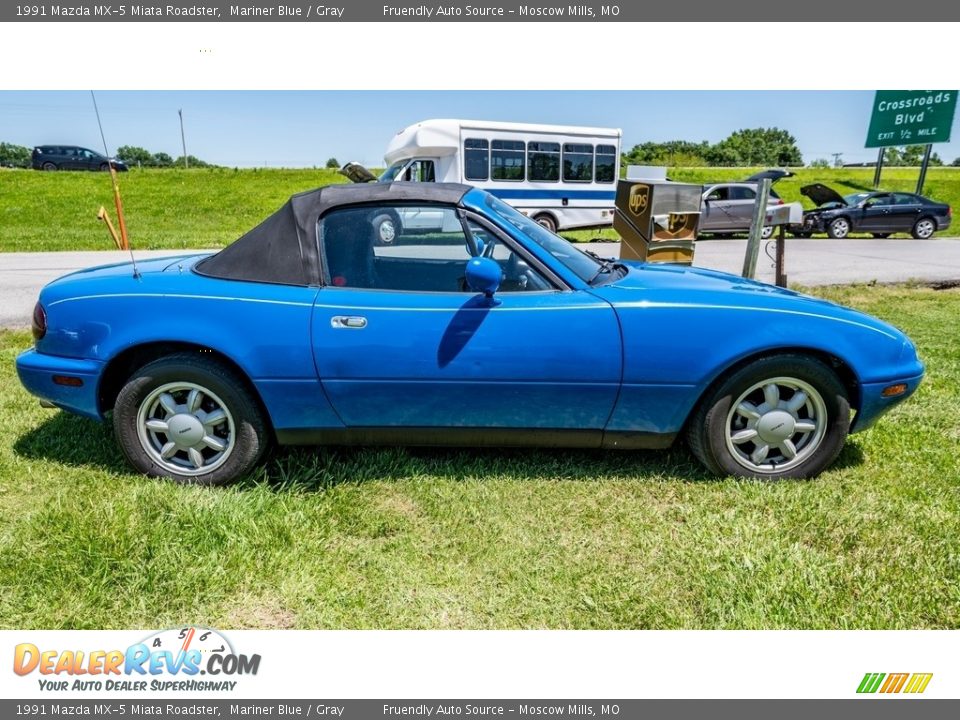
(825, 12)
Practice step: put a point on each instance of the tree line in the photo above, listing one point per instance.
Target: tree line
(18, 156)
(753, 147)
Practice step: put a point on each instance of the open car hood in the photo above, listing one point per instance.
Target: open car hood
(821, 194)
(774, 175)
(357, 173)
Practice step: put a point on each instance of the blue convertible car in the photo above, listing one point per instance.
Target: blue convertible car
(479, 327)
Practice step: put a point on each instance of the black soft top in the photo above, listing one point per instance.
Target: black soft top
(284, 249)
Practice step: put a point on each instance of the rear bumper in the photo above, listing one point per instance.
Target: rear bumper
(943, 223)
(873, 405)
(37, 371)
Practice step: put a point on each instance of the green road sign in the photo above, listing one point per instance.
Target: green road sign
(911, 117)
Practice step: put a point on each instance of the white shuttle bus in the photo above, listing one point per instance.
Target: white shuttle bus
(562, 176)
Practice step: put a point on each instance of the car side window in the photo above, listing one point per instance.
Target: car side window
(904, 199)
(878, 200)
(421, 248)
(720, 193)
(742, 193)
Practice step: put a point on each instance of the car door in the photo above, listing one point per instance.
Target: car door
(401, 344)
(905, 212)
(742, 201)
(716, 210)
(876, 215)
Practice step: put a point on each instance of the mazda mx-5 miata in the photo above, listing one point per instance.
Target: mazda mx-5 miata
(487, 330)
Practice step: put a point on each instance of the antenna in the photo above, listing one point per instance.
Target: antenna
(121, 221)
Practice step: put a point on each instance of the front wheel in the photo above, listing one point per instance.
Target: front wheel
(190, 419)
(839, 228)
(923, 229)
(785, 416)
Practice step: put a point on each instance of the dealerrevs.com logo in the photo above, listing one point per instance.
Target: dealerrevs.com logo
(178, 659)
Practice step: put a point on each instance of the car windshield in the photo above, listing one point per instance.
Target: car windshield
(582, 265)
(390, 174)
(854, 198)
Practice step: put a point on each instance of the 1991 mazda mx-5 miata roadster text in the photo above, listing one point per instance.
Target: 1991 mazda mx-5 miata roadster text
(477, 328)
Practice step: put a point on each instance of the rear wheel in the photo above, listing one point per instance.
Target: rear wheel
(49, 166)
(547, 221)
(924, 228)
(104, 167)
(785, 416)
(767, 232)
(190, 419)
(838, 228)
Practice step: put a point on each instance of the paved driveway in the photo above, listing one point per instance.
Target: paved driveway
(808, 262)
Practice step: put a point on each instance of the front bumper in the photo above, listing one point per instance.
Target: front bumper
(37, 371)
(873, 405)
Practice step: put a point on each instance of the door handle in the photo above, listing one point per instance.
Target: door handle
(352, 322)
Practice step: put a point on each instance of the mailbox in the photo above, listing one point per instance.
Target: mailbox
(657, 220)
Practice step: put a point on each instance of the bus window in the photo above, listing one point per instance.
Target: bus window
(577, 162)
(606, 168)
(507, 160)
(476, 159)
(544, 161)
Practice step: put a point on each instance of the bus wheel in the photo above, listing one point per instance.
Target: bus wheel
(547, 221)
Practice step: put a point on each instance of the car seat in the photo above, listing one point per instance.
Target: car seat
(347, 238)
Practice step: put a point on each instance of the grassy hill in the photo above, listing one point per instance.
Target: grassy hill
(205, 208)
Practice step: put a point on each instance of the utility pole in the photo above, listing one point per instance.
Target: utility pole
(836, 159)
(183, 139)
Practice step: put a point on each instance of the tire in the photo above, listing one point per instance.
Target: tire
(881, 236)
(49, 167)
(838, 228)
(386, 228)
(547, 221)
(104, 167)
(719, 434)
(924, 228)
(767, 232)
(143, 424)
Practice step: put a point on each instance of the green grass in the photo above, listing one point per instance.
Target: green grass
(209, 208)
(401, 538)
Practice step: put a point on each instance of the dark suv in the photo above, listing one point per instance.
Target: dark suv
(71, 157)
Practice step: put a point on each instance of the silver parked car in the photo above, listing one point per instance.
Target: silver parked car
(728, 208)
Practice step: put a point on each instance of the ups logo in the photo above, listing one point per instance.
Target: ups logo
(677, 223)
(639, 199)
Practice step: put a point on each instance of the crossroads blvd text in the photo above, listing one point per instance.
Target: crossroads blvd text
(426, 12)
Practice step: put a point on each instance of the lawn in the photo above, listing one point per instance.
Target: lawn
(208, 208)
(401, 538)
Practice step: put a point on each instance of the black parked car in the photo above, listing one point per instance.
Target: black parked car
(878, 213)
(71, 157)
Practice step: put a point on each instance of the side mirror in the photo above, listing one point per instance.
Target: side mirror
(483, 275)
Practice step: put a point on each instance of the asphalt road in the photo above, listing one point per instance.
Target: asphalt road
(808, 262)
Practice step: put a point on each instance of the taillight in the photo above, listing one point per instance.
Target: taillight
(39, 324)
